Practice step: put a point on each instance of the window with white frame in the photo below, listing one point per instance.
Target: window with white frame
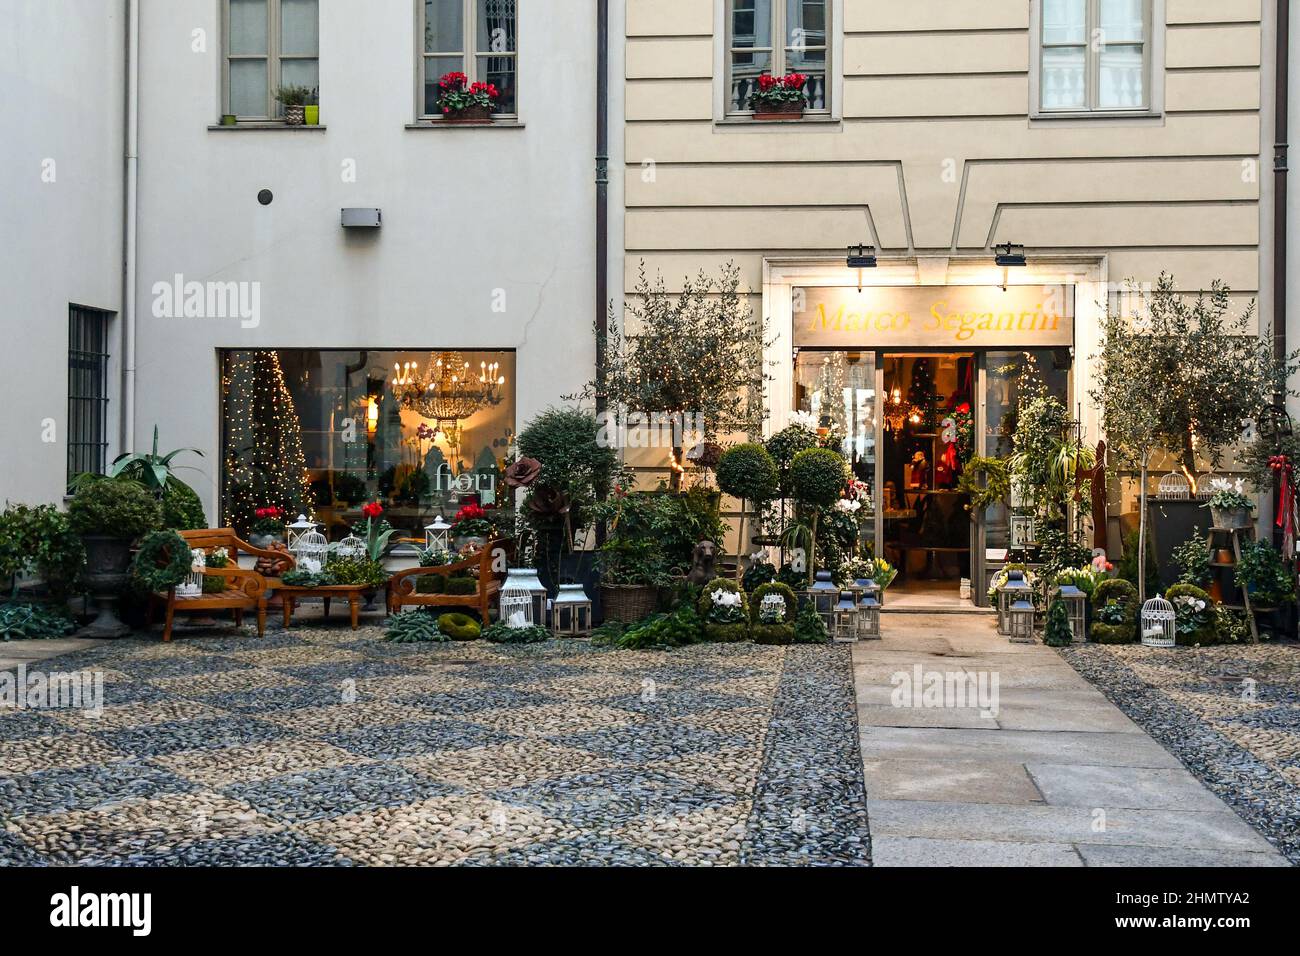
(1094, 56)
(269, 44)
(778, 37)
(474, 37)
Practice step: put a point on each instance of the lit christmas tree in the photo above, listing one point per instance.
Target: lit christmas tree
(265, 464)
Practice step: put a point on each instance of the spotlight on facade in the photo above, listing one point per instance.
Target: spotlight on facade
(861, 257)
(1009, 255)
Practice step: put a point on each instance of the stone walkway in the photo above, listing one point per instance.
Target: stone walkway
(1057, 777)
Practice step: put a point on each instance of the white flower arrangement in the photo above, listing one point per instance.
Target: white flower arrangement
(724, 598)
(848, 507)
(804, 420)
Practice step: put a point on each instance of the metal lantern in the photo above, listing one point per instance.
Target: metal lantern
(822, 595)
(1013, 589)
(307, 545)
(526, 579)
(437, 536)
(1075, 603)
(1158, 623)
(1020, 622)
(571, 612)
(192, 586)
(351, 547)
(868, 619)
(867, 587)
(516, 605)
(846, 618)
(772, 609)
(1173, 487)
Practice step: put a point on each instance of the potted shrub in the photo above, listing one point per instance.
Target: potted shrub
(771, 623)
(631, 561)
(779, 97)
(1195, 619)
(110, 515)
(39, 540)
(817, 476)
(267, 527)
(1262, 574)
(725, 611)
(294, 100)
(1115, 612)
(1229, 506)
(465, 102)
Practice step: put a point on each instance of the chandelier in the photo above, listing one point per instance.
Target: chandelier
(896, 411)
(448, 390)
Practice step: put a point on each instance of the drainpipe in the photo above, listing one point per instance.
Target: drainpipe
(602, 204)
(127, 425)
(1280, 163)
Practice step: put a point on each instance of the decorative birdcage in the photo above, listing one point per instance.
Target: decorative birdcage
(307, 545)
(526, 579)
(1204, 491)
(1076, 604)
(1014, 588)
(846, 618)
(571, 612)
(192, 586)
(822, 595)
(868, 619)
(772, 609)
(1173, 487)
(516, 605)
(437, 536)
(351, 547)
(1020, 622)
(1157, 623)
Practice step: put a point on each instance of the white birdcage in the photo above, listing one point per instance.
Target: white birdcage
(1204, 491)
(846, 618)
(1158, 623)
(351, 548)
(1173, 487)
(308, 546)
(868, 619)
(1075, 603)
(526, 579)
(437, 536)
(516, 605)
(1020, 622)
(192, 586)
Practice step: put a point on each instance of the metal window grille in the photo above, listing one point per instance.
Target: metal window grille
(87, 390)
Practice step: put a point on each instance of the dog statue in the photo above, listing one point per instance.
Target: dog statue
(703, 558)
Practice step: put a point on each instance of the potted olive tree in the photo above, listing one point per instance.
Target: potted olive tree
(110, 515)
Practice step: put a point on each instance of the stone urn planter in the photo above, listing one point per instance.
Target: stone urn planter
(108, 565)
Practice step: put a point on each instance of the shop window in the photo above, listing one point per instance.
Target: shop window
(268, 44)
(474, 37)
(1094, 56)
(423, 432)
(778, 37)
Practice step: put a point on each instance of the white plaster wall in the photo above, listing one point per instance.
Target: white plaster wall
(61, 102)
(465, 212)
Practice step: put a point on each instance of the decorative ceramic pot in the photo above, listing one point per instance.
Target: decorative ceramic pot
(294, 115)
(311, 115)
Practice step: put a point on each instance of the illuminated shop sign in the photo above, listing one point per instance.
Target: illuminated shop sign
(934, 316)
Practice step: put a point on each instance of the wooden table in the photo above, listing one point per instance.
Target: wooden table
(352, 593)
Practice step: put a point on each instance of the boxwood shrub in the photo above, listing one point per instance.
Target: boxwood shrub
(1123, 594)
(723, 632)
(1207, 633)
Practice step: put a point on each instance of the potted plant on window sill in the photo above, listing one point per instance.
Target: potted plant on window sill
(779, 97)
(464, 103)
(311, 108)
(294, 100)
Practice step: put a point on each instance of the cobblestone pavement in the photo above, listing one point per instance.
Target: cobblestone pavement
(1231, 714)
(325, 746)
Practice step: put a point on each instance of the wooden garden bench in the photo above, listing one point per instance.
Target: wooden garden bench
(402, 592)
(245, 590)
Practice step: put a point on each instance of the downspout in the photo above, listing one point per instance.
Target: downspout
(127, 425)
(1280, 163)
(602, 207)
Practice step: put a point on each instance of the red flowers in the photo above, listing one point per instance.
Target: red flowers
(471, 512)
(372, 510)
(272, 512)
(453, 81)
(488, 88)
(791, 81)
(455, 96)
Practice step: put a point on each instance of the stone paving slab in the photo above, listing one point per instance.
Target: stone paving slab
(922, 851)
(974, 781)
(1098, 855)
(1027, 746)
(1126, 787)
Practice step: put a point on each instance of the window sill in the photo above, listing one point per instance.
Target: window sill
(442, 125)
(740, 122)
(1138, 117)
(263, 127)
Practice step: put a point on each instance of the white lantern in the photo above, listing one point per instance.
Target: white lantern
(437, 536)
(1020, 622)
(1013, 589)
(307, 545)
(846, 618)
(526, 579)
(296, 530)
(192, 586)
(868, 619)
(571, 613)
(1075, 603)
(1157, 623)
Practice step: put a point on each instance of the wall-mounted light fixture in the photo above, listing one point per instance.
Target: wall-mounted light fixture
(1009, 256)
(861, 257)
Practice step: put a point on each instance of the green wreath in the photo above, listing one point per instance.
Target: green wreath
(996, 486)
(163, 561)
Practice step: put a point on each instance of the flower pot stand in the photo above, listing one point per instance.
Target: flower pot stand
(1219, 540)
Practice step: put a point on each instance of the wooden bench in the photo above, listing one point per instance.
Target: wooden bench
(245, 590)
(402, 592)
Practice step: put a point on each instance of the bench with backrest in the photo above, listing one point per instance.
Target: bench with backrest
(402, 586)
(245, 590)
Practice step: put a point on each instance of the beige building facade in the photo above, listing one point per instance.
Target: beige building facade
(1113, 139)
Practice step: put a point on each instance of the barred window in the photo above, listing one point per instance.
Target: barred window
(87, 390)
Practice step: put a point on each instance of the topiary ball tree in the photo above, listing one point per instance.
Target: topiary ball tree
(747, 472)
(817, 476)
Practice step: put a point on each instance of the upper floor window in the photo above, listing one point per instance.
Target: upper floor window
(269, 44)
(87, 390)
(474, 37)
(1095, 56)
(777, 37)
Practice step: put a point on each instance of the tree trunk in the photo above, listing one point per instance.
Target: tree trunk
(1188, 460)
(812, 549)
(675, 478)
(740, 541)
(1142, 533)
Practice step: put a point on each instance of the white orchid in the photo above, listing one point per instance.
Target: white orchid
(804, 420)
(846, 506)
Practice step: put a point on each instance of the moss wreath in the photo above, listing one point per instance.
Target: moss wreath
(996, 487)
(163, 561)
(459, 627)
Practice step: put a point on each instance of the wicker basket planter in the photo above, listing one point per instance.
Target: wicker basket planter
(474, 115)
(628, 602)
(791, 110)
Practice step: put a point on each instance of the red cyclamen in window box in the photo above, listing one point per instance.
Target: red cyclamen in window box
(779, 97)
(463, 102)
